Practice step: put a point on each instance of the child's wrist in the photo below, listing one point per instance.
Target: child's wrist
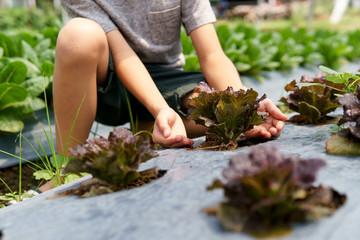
(160, 109)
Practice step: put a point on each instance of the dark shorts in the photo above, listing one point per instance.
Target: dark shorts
(173, 84)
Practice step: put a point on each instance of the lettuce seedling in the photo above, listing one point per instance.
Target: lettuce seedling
(266, 191)
(347, 140)
(226, 114)
(312, 98)
(114, 160)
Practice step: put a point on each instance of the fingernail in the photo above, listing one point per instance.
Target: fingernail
(166, 132)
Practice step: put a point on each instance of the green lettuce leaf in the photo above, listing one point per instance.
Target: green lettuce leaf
(14, 72)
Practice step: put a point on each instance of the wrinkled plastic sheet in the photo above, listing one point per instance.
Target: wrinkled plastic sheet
(171, 207)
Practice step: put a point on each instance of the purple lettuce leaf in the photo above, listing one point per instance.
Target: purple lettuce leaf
(351, 105)
(265, 190)
(313, 102)
(265, 172)
(114, 160)
(226, 114)
(347, 140)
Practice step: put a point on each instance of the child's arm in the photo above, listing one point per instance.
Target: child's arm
(169, 129)
(220, 73)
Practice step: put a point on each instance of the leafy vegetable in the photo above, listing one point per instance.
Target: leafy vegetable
(49, 172)
(347, 140)
(253, 51)
(313, 98)
(334, 49)
(26, 69)
(114, 160)
(15, 197)
(266, 191)
(33, 18)
(343, 82)
(226, 114)
(19, 97)
(288, 53)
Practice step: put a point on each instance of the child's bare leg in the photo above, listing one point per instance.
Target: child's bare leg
(81, 63)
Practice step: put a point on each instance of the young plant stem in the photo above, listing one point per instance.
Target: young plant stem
(18, 199)
(20, 165)
(132, 123)
(7, 186)
(57, 178)
(354, 83)
(96, 130)
(73, 124)
(319, 84)
(143, 131)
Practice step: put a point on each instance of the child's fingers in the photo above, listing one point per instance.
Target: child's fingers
(278, 124)
(163, 122)
(177, 141)
(268, 106)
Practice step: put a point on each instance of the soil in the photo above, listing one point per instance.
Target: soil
(141, 181)
(95, 187)
(241, 141)
(10, 176)
(302, 120)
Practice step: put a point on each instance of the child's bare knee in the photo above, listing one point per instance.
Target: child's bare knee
(81, 37)
(185, 99)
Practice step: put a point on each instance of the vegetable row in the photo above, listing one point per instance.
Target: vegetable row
(253, 51)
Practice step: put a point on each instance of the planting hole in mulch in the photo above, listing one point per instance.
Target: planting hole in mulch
(241, 141)
(302, 120)
(95, 186)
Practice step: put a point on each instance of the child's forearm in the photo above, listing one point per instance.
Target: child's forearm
(134, 75)
(219, 71)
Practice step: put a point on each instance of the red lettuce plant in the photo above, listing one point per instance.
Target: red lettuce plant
(312, 98)
(347, 140)
(226, 114)
(114, 160)
(266, 191)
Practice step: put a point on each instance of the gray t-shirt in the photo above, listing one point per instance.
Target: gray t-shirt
(151, 27)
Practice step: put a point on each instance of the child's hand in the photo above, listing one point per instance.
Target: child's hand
(169, 130)
(274, 124)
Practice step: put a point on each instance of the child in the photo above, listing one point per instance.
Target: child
(112, 47)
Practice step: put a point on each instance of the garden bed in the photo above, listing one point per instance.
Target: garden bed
(171, 207)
